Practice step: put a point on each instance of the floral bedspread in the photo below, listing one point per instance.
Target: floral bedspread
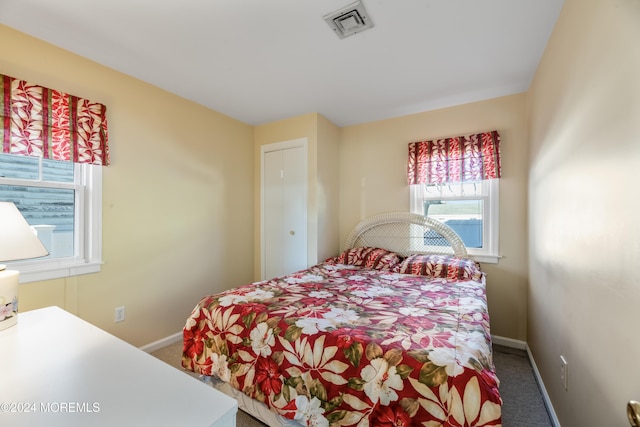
(348, 346)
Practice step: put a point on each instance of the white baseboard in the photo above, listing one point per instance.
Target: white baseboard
(509, 342)
(163, 342)
(543, 391)
(522, 345)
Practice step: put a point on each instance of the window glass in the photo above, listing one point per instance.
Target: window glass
(20, 167)
(50, 210)
(465, 217)
(53, 170)
(470, 209)
(62, 203)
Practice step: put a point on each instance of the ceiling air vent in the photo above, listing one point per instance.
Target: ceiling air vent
(349, 20)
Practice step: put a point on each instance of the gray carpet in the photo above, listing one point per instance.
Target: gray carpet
(522, 401)
(522, 404)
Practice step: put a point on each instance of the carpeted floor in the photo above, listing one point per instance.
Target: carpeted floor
(522, 401)
(522, 404)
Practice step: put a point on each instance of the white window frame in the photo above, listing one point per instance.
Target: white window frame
(489, 253)
(87, 229)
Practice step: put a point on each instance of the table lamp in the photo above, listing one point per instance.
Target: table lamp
(17, 241)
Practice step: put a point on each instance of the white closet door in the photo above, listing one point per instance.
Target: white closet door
(273, 207)
(284, 211)
(294, 214)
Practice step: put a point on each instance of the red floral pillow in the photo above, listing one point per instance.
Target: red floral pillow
(374, 258)
(441, 266)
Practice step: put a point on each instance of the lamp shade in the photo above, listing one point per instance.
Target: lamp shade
(17, 239)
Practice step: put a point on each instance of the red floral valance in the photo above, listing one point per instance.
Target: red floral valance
(463, 158)
(41, 122)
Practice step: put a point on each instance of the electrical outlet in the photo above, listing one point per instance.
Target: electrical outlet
(119, 314)
(564, 372)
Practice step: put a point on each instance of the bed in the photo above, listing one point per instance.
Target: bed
(392, 331)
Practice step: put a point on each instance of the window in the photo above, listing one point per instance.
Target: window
(455, 180)
(62, 201)
(469, 208)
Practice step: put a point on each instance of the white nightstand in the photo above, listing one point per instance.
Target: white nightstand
(58, 370)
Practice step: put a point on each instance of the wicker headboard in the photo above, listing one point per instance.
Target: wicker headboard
(407, 233)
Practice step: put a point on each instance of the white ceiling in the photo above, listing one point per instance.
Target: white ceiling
(264, 60)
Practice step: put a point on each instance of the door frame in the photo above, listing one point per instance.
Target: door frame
(278, 146)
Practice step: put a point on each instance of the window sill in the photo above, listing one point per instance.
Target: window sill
(487, 259)
(50, 272)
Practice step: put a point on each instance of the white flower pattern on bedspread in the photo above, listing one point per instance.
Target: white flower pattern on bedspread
(339, 345)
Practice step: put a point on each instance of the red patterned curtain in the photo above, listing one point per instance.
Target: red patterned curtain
(463, 158)
(41, 122)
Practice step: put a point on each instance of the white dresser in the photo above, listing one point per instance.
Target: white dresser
(58, 370)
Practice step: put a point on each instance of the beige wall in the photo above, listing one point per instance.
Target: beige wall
(328, 191)
(584, 247)
(177, 199)
(373, 179)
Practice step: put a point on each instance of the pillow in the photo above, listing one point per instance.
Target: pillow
(374, 258)
(440, 266)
